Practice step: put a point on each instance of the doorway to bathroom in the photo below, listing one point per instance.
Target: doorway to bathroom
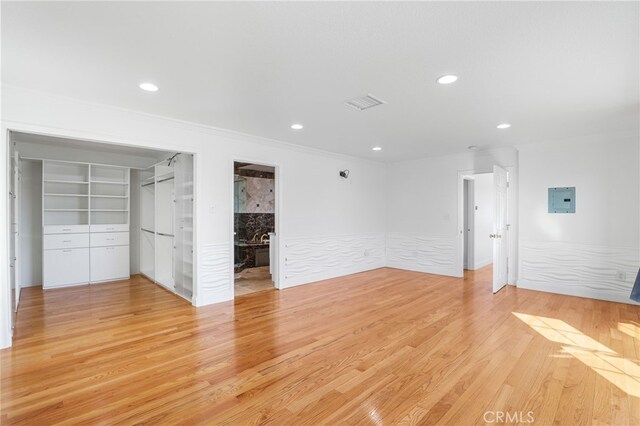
(254, 226)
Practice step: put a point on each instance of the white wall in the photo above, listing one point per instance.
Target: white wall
(328, 226)
(30, 223)
(582, 253)
(423, 230)
(483, 220)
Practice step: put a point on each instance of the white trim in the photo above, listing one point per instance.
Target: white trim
(560, 288)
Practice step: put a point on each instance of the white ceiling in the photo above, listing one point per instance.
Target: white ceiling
(553, 70)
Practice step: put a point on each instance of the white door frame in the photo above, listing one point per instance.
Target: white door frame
(467, 236)
(512, 217)
(278, 202)
(84, 136)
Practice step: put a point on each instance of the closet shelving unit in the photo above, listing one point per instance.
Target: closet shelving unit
(166, 222)
(85, 221)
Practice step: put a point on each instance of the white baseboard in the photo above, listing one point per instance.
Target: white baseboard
(559, 288)
(302, 280)
(408, 266)
(482, 264)
(213, 297)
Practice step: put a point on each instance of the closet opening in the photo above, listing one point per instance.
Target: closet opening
(89, 213)
(254, 227)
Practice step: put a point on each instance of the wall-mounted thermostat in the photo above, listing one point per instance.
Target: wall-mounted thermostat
(562, 200)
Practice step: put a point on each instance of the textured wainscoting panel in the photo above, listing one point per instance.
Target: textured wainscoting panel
(579, 269)
(432, 254)
(311, 259)
(215, 282)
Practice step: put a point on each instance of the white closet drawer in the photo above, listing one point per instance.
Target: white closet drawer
(110, 239)
(109, 263)
(65, 267)
(110, 228)
(66, 229)
(62, 241)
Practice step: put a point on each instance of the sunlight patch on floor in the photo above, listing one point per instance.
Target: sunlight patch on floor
(621, 372)
(632, 330)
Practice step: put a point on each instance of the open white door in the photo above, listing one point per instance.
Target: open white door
(14, 256)
(499, 235)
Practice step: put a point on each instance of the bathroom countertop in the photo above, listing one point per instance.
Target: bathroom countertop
(245, 244)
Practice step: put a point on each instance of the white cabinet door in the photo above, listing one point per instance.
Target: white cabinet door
(65, 241)
(110, 228)
(65, 267)
(104, 239)
(65, 229)
(109, 263)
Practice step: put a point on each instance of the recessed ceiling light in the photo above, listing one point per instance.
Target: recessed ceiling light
(447, 79)
(149, 87)
(377, 148)
(472, 147)
(297, 126)
(504, 126)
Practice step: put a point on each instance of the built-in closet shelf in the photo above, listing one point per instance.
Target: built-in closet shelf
(66, 195)
(66, 181)
(66, 210)
(108, 182)
(72, 212)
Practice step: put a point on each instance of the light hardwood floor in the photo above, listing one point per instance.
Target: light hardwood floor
(381, 347)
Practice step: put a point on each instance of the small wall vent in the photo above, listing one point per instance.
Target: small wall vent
(364, 102)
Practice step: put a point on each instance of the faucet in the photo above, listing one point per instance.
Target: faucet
(255, 237)
(263, 237)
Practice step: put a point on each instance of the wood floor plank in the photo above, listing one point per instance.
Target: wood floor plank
(380, 347)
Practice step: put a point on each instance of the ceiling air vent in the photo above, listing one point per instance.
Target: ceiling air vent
(364, 102)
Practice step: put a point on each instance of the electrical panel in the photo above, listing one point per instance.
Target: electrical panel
(562, 200)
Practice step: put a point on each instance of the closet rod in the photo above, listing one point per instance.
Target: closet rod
(166, 179)
(146, 230)
(147, 184)
(164, 235)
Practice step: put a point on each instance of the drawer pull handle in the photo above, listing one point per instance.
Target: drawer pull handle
(67, 251)
(66, 229)
(66, 241)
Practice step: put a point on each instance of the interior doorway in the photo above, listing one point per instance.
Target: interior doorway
(478, 212)
(254, 226)
(503, 230)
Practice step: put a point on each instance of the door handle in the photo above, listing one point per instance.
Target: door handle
(495, 236)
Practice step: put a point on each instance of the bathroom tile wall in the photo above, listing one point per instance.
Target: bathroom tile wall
(254, 195)
(249, 224)
(260, 195)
